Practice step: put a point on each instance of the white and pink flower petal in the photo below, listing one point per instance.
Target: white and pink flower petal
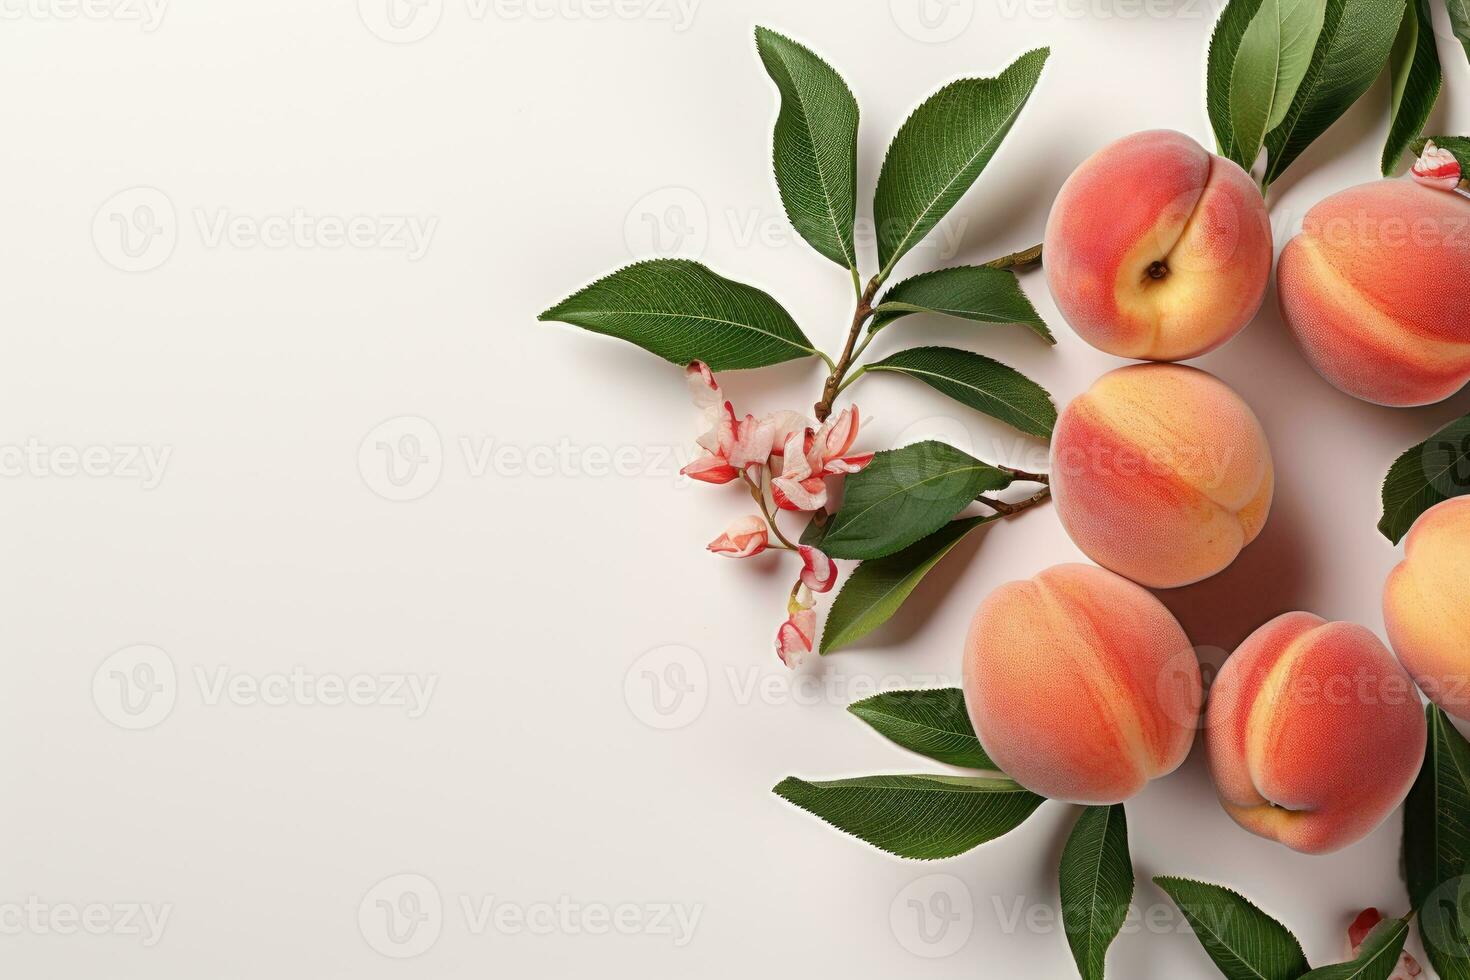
(841, 433)
(753, 442)
(711, 469)
(746, 536)
(785, 423)
(1437, 168)
(799, 495)
(848, 464)
(818, 572)
(795, 637)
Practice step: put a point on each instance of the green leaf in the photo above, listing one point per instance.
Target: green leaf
(683, 312)
(1357, 36)
(1444, 926)
(815, 146)
(905, 494)
(922, 817)
(1460, 21)
(1376, 959)
(1437, 843)
(1272, 60)
(1459, 147)
(1429, 473)
(1244, 942)
(1416, 82)
(972, 292)
(942, 148)
(877, 588)
(985, 385)
(1224, 44)
(1096, 879)
(815, 533)
(933, 723)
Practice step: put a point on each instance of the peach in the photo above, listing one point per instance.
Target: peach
(1161, 473)
(1374, 290)
(1081, 685)
(1314, 733)
(1158, 250)
(1426, 605)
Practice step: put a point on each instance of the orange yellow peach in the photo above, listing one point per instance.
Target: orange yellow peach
(1314, 732)
(1374, 288)
(1426, 605)
(1157, 249)
(1161, 473)
(1081, 685)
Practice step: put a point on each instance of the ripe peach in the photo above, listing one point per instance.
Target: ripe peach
(1314, 732)
(1161, 473)
(1426, 605)
(1158, 250)
(1374, 289)
(1081, 685)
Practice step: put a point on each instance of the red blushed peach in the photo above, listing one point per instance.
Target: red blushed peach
(1081, 685)
(1158, 250)
(1161, 473)
(1374, 290)
(1426, 605)
(1315, 733)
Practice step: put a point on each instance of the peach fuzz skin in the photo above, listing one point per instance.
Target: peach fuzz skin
(1161, 473)
(1081, 685)
(1374, 290)
(1158, 250)
(1314, 732)
(1426, 605)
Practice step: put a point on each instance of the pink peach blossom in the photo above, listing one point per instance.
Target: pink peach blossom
(835, 438)
(800, 485)
(818, 573)
(1437, 168)
(746, 536)
(795, 637)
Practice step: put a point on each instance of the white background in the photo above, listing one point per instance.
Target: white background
(536, 148)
